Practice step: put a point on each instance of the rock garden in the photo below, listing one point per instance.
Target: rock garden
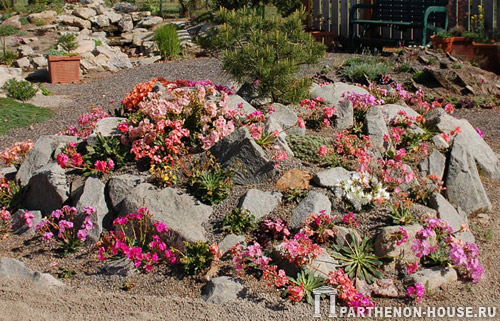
(234, 198)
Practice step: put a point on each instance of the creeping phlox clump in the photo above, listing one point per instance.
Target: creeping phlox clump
(139, 239)
(363, 189)
(435, 244)
(86, 123)
(67, 227)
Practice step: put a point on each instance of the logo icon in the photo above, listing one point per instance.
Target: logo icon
(328, 290)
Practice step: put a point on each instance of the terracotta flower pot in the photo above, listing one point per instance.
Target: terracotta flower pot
(445, 44)
(487, 54)
(463, 48)
(64, 69)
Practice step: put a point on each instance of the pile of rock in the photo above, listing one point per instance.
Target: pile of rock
(106, 36)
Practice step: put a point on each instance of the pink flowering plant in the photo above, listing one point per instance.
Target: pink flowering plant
(348, 150)
(16, 153)
(315, 113)
(300, 250)
(86, 123)
(436, 244)
(269, 230)
(70, 158)
(165, 126)
(417, 291)
(5, 226)
(347, 292)
(319, 227)
(9, 192)
(67, 227)
(139, 239)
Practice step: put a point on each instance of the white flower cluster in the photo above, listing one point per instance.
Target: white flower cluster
(363, 189)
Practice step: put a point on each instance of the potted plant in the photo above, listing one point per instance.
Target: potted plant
(462, 43)
(485, 48)
(442, 40)
(64, 66)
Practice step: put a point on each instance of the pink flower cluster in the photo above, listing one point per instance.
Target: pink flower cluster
(350, 219)
(347, 291)
(69, 158)
(300, 250)
(137, 240)
(86, 123)
(4, 222)
(252, 256)
(15, 154)
(60, 225)
(159, 128)
(418, 291)
(319, 227)
(272, 230)
(462, 254)
(314, 110)
(361, 102)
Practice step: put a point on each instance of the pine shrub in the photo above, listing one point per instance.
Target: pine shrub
(266, 52)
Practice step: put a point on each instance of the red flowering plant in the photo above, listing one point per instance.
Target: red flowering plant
(270, 230)
(70, 158)
(66, 227)
(319, 227)
(347, 291)
(139, 239)
(349, 151)
(15, 154)
(424, 187)
(300, 250)
(316, 114)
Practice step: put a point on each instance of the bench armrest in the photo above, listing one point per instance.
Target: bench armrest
(428, 11)
(433, 9)
(352, 12)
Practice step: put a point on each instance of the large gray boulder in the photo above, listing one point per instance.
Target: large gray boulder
(125, 7)
(330, 178)
(463, 184)
(375, 125)
(260, 203)
(40, 155)
(435, 277)
(391, 111)
(332, 94)
(126, 24)
(313, 203)
(120, 187)
(47, 190)
(484, 156)
(19, 226)
(287, 119)
(84, 12)
(14, 268)
(221, 289)
(271, 126)
(150, 22)
(183, 215)
(386, 239)
(435, 164)
(93, 195)
(344, 118)
(240, 152)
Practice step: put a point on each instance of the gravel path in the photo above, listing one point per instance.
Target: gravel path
(101, 88)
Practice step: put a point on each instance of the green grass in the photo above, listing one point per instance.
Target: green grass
(14, 114)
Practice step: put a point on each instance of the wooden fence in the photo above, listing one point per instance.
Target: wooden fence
(333, 16)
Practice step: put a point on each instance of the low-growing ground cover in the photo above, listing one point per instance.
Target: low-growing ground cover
(14, 114)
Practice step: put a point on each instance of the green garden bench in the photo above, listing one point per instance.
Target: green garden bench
(401, 14)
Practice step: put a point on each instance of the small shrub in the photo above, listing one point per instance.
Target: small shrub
(167, 41)
(294, 195)
(405, 67)
(265, 52)
(44, 90)
(39, 23)
(67, 42)
(457, 65)
(107, 148)
(97, 42)
(24, 21)
(365, 67)
(54, 53)
(306, 147)
(209, 182)
(287, 7)
(238, 221)
(8, 57)
(9, 193)
(198, 256)
(401, 214)
(357, 258)
(20, 89)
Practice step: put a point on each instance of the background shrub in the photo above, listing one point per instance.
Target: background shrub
(167, 41)
(266, 52)
(21, 90)
(365, 67)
